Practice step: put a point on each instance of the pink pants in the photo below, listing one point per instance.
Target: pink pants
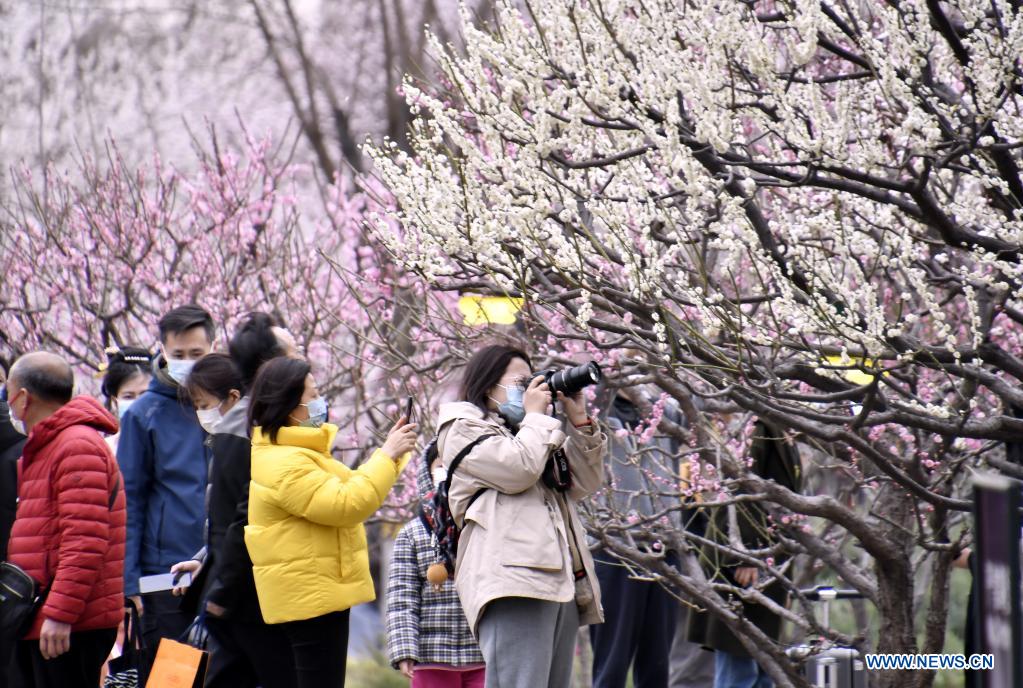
(426, 677)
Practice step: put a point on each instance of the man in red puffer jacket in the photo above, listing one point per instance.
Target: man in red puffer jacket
(69, 529)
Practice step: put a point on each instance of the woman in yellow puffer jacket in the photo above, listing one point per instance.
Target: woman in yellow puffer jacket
(305, 535)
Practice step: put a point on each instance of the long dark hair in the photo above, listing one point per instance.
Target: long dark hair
(276, 392)
(215, 374)
(484, 370)
(122, 365)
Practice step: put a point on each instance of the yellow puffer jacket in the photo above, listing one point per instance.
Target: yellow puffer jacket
(305, 534)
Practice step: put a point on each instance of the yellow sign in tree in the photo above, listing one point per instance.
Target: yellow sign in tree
(489, 310)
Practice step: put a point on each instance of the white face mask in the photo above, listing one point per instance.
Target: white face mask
(439, 474)
(122, 407)
(17, 423)
(179, 369)
(209, 419)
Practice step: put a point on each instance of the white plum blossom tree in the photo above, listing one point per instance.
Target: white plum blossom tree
(809, 212)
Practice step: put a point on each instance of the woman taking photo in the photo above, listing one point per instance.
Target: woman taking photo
(305, 533)
(524, 572)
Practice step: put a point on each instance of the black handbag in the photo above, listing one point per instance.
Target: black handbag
(20, 599)
(124, 671)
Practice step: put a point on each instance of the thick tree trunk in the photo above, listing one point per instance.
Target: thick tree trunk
(895, 589)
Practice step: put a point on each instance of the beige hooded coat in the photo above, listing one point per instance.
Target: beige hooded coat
(514, 541)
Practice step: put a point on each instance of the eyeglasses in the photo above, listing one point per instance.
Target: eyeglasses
(520, 381)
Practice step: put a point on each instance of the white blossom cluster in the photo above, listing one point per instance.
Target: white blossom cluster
(838, 176)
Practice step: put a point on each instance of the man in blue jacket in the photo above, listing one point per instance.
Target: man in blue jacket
(164, 461)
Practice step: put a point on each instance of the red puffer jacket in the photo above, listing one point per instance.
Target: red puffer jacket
(69, 530)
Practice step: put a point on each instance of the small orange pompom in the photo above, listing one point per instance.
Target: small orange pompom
(437, 574)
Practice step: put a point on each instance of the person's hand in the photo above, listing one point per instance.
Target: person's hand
(191, 566)
(746, 576)
(575, 408)
(963, 560)
(214, 609)
(137, 600)
(537, 397)
(401, 439)
(407, 667)
(54, 639)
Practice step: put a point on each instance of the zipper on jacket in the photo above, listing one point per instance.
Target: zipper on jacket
(159, 531)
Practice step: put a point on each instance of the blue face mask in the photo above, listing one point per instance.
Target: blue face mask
(512, 410)
(317, 413)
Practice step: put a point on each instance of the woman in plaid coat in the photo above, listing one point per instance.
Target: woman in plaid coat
(428, 637)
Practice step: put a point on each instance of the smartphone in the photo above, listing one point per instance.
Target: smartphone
(164, 581)
(410, 411)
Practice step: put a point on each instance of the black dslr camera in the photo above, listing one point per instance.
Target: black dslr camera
(572, 380)
(557, 474)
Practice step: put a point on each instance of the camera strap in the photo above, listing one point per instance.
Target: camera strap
(557, 474)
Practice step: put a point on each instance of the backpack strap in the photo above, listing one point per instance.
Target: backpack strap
(456, 462)
(465, 452)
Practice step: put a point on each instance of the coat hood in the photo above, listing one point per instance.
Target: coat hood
(319, 439)
(236, 420)
(457, 409)
(82, 410)
(162, 383)
(424, 479)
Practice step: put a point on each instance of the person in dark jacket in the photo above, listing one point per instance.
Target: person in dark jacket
(245, 651)
(640, 616)
(11, 443)
(774, 458)
(165, 461)
(428, 636)
(69, 531)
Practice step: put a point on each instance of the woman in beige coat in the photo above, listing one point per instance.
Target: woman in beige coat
(524, 573)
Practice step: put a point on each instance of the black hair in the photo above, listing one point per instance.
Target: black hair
(122, 365)
(276, 392)
(484, 370)
(183, 318)
(253, 345)
(52, 384)
(215, 374)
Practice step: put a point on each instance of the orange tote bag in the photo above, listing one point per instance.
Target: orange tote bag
(178, 666)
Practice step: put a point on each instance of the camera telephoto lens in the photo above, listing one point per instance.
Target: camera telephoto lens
(571, 381)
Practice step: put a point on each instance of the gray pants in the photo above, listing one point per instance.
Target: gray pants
(691, 665)
(528, 643)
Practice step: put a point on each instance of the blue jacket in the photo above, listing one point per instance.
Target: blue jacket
(164, 460)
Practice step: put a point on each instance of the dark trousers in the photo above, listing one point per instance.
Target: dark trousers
(79, 667)
(161, 618)
(639, 625)
(320, 649)
(248, 654)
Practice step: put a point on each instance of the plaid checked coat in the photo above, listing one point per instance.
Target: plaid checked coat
(424, 625)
